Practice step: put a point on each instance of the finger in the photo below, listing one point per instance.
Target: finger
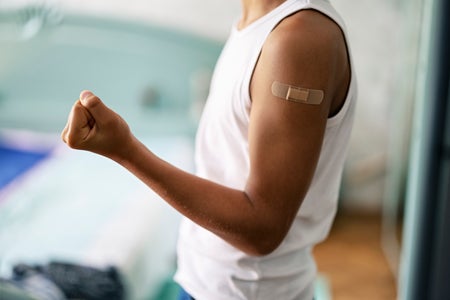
(79, 126)
(64, 133)
(65, 130)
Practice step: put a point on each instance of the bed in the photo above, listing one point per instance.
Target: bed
(73, 206)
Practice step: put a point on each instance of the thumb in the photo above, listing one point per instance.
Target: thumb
(94, 105)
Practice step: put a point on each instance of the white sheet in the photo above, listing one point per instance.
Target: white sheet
(79, 207)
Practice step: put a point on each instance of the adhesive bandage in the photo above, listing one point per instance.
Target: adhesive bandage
(297, 94)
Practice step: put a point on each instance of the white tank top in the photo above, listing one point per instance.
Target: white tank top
(208, 267)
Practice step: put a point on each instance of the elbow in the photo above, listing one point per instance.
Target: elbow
(263, 238)
(264, 244)
(263, 250)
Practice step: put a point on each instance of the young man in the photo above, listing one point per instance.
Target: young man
(270, 151)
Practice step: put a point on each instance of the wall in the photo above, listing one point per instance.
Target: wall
(210, 18)
(384, 50)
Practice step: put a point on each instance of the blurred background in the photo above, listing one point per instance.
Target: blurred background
(73, 213)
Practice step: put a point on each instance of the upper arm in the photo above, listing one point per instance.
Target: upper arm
(285, 137)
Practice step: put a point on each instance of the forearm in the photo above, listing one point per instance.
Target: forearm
(241, 220)
(254, 220)
(229, 213)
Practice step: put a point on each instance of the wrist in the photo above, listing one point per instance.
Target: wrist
(125, 151)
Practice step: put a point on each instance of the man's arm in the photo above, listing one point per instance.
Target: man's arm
(284, 139)
(306, 50)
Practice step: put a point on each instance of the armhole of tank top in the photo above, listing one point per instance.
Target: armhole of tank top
(339, 115)
(331, 13)
(333, 16)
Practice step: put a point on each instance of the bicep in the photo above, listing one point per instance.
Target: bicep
(285, 139)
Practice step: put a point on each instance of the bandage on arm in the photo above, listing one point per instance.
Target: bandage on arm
(297, 94)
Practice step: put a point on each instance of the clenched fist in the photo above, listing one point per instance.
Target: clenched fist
(92, 126)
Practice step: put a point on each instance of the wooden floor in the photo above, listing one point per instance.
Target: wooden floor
(352, 261)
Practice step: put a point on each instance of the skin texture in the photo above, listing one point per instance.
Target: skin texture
(306, 49)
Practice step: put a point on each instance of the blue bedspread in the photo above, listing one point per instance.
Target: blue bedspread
(14, 162)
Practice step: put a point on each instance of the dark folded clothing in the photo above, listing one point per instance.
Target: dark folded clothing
(34, 286)
(75, 281)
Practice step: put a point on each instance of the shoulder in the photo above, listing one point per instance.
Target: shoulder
(307, 42)
(307, 49)
(306, 30)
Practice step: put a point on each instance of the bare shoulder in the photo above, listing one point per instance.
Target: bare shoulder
(308, 48)
(307, 29)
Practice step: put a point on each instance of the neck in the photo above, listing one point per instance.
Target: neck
(255, 9)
